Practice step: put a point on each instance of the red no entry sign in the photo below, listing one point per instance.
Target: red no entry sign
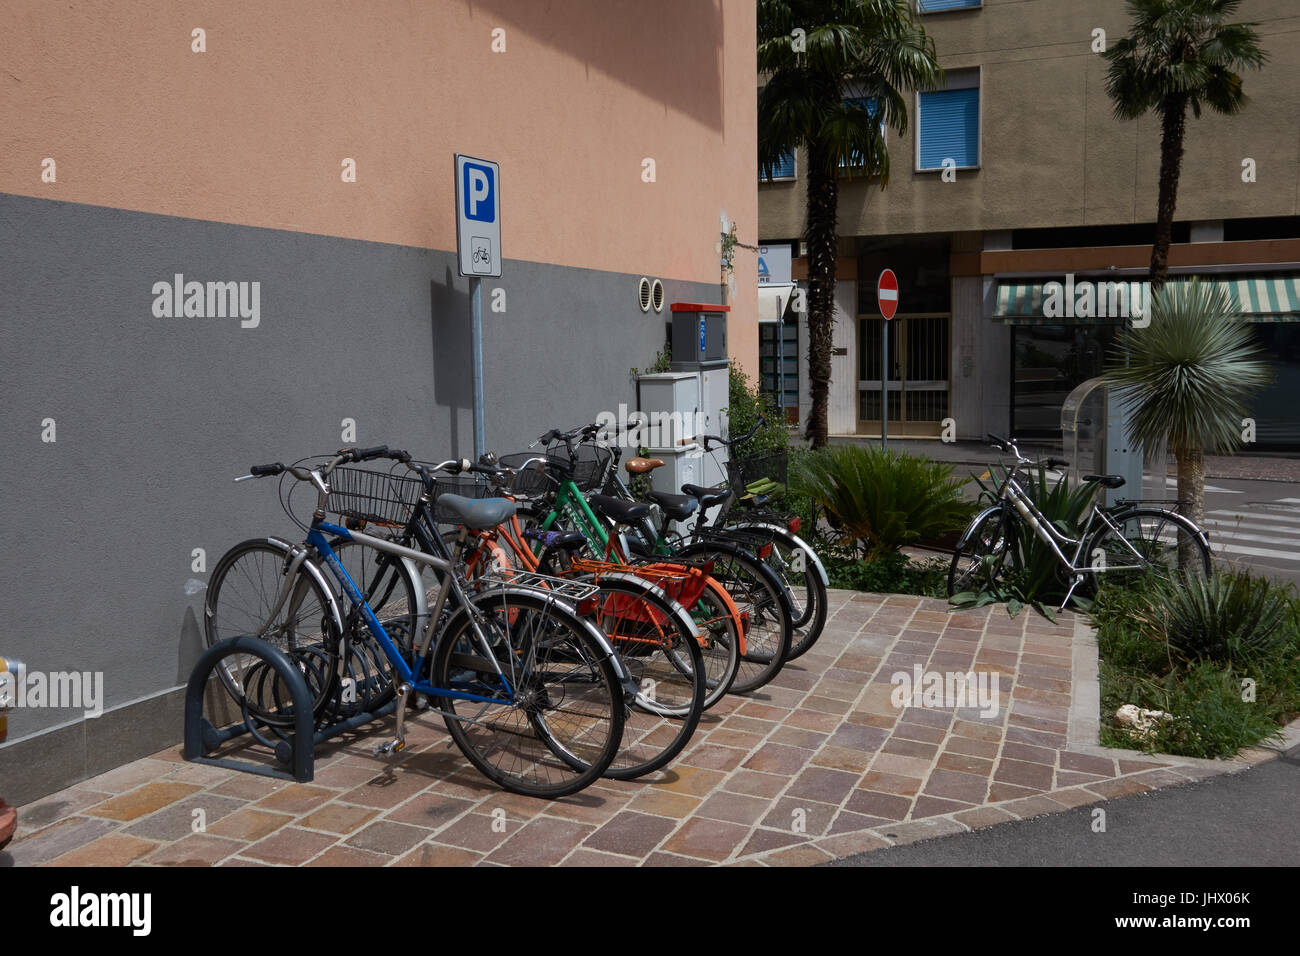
(887, 293)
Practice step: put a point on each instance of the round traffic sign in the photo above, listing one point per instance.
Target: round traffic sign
(887, 293)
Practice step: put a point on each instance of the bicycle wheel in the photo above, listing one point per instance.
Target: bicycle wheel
(720, 641)
(366, 671)
(660, 647)
(794, 563)
(763, 606)
(244, 588)
(546, 717)
(982, 553)
(1145, 541)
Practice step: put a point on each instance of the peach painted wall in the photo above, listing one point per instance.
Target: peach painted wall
(254, 130)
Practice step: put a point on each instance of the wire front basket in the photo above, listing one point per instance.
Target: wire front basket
(759, 475)
(592, 465)
(374, 497)
(539, 478)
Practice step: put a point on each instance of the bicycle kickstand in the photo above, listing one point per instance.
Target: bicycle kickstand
(1078, 579)
(398, 743)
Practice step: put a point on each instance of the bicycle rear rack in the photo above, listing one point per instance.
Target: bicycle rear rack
(543, 584)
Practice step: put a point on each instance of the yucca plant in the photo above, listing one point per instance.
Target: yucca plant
(1185, 379)
(880, 501)
(1226, 618)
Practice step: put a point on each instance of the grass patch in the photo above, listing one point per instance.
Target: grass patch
(1199, 660)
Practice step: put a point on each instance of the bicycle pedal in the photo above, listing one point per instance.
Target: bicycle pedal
(389, 747)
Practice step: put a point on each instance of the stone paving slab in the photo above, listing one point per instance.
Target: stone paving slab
(829, 760)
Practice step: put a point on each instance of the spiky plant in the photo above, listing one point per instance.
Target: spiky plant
(1185, 378)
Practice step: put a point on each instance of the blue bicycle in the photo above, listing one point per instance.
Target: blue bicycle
(532, 694)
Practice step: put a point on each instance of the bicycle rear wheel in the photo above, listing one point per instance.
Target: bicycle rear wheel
(548, 709)
(794, 564)
(1145, 541)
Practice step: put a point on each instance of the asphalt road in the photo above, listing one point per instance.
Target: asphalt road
(1246, 819)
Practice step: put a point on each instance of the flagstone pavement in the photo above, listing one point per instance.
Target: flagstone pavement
(818, 765)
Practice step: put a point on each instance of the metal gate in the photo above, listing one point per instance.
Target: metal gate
(919, 364)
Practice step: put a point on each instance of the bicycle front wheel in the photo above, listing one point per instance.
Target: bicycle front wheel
(763, 606)
(794, 563)
(542, 708)
(1145, 542)
(244, 589)
(982, 553)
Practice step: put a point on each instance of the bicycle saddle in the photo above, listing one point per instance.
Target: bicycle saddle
(707, 497)
(1108, 481)
(477, 513)
(639, 466)
(676, 507)
(624, 512)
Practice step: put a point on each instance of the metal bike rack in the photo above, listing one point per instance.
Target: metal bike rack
(297, 749)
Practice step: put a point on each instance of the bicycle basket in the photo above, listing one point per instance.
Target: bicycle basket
(759, 475)
(591, 466)
(373, 496)
(539, 478)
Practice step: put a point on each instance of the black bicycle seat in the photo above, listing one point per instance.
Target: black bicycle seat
(624, 512)
(1107, 481)
(676, 507)
(707, 497)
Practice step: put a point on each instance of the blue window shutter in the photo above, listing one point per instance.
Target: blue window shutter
(950, 128)
(933, 6)
(783, 169)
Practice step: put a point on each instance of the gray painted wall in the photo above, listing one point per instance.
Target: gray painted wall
(155, 416)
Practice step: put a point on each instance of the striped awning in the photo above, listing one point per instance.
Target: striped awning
(1261, 298)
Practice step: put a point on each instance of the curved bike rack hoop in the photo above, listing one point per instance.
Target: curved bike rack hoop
(202, 737)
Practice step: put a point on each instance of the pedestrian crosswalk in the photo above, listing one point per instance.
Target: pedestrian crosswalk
(1267, 530)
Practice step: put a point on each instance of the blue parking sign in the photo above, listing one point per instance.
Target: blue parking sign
(478, 216)
(477, 192)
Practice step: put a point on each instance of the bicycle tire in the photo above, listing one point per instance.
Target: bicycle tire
(804, 586)
(660, 648)
(762, 602)
(245, 584)
(391, 595)
(1115, 558)
(529, 745)
(982, 552)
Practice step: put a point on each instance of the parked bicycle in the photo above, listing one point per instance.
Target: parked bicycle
(533, 695)
(1124, 541)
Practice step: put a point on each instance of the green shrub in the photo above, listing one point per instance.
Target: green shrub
(889, 573)
(746, 405)
(1224, 618)
(879, 501)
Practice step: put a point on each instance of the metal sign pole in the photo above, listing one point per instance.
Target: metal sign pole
(884, 384)
(476, 351)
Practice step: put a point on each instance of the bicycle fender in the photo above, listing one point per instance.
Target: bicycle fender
(797, 541)
(649, 587)
(975, 523)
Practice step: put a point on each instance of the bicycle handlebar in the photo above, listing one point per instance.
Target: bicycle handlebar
(1006, 446)
(762, 420)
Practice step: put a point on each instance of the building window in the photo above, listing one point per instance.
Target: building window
(868, 103)
(939, 6)
(781, 171)
(948, 123)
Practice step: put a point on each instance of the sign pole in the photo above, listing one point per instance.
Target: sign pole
(476, 352)
(887, 300)
(478, 254)
(884, 385)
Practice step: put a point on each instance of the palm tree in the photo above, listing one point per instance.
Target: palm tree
(1180, 53)
(836, 74)
(1185, 377)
